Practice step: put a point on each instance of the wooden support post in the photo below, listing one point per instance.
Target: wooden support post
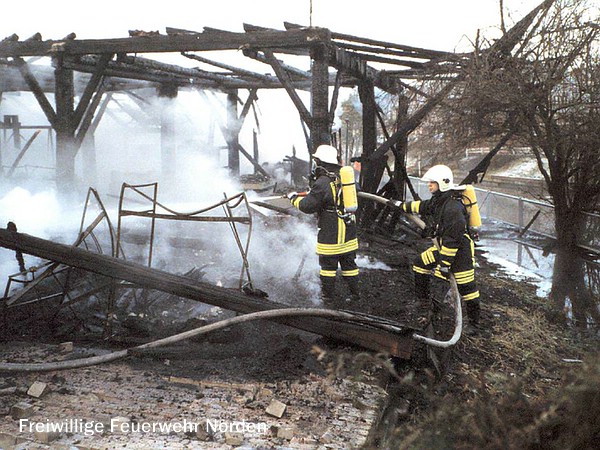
(16, 130)
(401, 148)
(167, 135)
(64, 127)
(320, 126)
(232, 138)
(226, 132)
(371, 170)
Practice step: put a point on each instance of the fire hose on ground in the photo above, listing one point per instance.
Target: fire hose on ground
(453, 286)
(94, 360)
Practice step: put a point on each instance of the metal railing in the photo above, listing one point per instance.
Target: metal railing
(520, 211)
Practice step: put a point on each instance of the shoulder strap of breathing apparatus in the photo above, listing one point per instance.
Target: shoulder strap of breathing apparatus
(469, 201)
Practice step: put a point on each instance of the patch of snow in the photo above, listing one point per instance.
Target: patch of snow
(519, 273)
(367, 262)
(520, 264)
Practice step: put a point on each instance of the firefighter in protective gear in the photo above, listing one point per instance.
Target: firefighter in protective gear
(336, 240)
(446, 218)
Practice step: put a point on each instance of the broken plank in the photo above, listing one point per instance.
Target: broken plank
(368, 334)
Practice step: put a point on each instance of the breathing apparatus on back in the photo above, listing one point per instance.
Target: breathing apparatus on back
(349, 189)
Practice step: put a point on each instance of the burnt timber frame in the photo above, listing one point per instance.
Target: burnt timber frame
(110, 59)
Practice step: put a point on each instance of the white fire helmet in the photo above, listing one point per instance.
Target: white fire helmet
(327, 154)
(442, 175)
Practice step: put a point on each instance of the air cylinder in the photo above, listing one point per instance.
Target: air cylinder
(349, 189)
(470, 202)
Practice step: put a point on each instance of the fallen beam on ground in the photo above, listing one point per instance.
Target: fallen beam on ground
(370, 333)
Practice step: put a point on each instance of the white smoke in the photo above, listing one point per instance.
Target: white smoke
(281, 255)
(368, 262)
(38, 214)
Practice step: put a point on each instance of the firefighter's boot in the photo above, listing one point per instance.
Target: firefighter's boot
(328, 291)
(473, 313)
(354, 289)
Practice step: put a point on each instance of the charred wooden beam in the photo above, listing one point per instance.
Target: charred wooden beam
(415, 119)
(482, 166)
(175, 43)
(140, 73)
(374, 334)
(11, 79)
(153, 71)
(351, 64)
(232, 69)
(320, 126)
(334, 99)
(225, 132)
(64, 125)
(253, 160)
(233, 134)
(398, 62)
(252, 97)
(415, 51)
(372, 170)
(286, 81)
(292, 72)
(384, 50)
(249, 28)
(36, 90)
(91, 88)
(86, 120)
(174, 31)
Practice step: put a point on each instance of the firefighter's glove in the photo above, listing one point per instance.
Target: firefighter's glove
(292, 196)
(397, 203)
(444, 271)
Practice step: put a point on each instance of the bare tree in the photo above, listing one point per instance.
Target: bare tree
(546, 93)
